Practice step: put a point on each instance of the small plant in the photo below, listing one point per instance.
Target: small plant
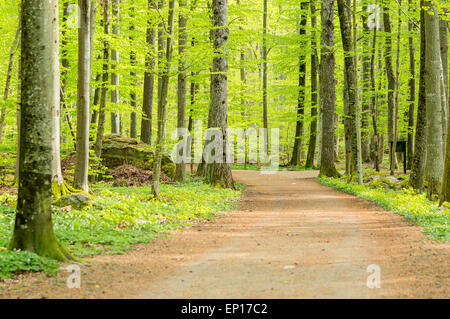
(406, 202)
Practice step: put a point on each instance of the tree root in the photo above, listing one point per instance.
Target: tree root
(65, 189)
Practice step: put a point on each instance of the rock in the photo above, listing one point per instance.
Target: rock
(384, 182)
(119, 150)
(77, 201)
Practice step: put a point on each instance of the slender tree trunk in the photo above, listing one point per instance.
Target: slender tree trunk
(420, 145)
(220, 173)
(376, 138)
(84, 76)
(149, 80)
(161, 48)
(265, 70)
(33, 229)
(133, 102)
(397, 88)
(299, 129)
(314, 95)
(327, 89)
(352, 87)
(8, 78)
(115, 118)
(104, 88)
(365, 115)
(391, 85)
(444, 80)
(435, 165)
(65, 68)
(347, 128)
(162, 103)
(180, 174)
(412, 93)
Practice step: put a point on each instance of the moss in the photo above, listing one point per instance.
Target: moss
(382, 183)
(169, 170)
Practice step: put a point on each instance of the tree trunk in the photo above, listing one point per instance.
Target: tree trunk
(397, 89)
(12, 52)
(420, 145)
(115, 118)
(180, 174)
(365, 115)
(84, 76)
(412, 93)
(352, 87)
(314, 96)
(435, 165)
(162, 103)
(33, 229)
(327, 90)
(219, 173)
(133, 102)
(299, 129)
(104, 89)
(149, 80)
(265, 70)
(444, 80)
(376, 137)
(391, 85)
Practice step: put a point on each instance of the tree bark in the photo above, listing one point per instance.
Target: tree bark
(220, 173)
(299, 129)
(33, 229)
(149, 79)
(314, 95)
(265, 75)
(162, 103)
(435, 165)
(104, 87)
(352, 87)
(365, 115)
(12, 52)
(376, 137)
(420, 145)
(327, 90)
(412, 93)
(180, 173)
(115, 117)
(84, 77)
(133, 75)
(391, 85)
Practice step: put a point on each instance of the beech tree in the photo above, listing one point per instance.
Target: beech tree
(351, 87)
(299, 129)
(149, 78)
(33, 229)
(162, 101)
(433, 64)
(327, 90)
(84, 76)
(219, 173)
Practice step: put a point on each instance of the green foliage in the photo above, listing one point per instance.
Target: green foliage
(120, 217)
(14, 262)
(415, 207)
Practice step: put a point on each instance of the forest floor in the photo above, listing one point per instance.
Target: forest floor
(289, 238)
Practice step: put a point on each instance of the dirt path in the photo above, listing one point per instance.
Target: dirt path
(291, 238)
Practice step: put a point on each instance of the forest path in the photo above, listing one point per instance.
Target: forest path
(295, 238)
(290, 238)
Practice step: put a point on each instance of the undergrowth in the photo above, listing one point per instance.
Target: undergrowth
(120, 217)
(415, 207)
